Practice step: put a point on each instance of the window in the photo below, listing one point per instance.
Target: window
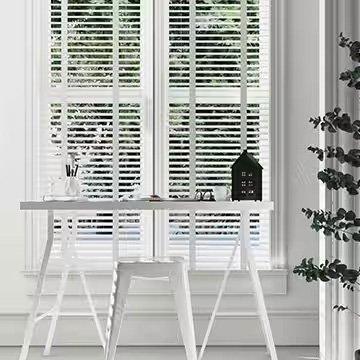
(154, 96)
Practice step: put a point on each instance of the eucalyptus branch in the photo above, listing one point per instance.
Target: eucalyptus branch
(352, 76)
(352, 157)
(334, 121)
(353, 46)
(336, 180)
(345, 308)
(328, 271)
(344, 225)
(338, 225)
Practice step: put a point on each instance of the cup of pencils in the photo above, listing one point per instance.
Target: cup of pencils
(72, 185)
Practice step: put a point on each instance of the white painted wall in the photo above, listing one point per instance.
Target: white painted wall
(12, 149)
(298, 308)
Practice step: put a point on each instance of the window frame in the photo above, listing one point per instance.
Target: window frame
(35, 14)
(277, 133)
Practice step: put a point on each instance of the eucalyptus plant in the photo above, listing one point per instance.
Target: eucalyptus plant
(352, 157)
(341, 224)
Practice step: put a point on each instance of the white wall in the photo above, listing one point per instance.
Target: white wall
(298, 308)
(12, 150)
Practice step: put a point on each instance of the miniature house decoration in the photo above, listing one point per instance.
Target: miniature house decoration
(246, 175)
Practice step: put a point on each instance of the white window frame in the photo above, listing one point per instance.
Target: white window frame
(277, 133)
(34, 32)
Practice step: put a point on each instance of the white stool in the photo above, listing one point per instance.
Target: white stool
(173, 268)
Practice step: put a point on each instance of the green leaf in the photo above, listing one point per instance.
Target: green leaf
(323, 278)
(352, 191)
(356, 236)
(350, 216)
(341, 213)
(342, 224)
(341, 268)
(333, 274)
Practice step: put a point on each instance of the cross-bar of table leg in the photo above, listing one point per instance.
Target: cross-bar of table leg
(219, 297)
(70, 258)
(39, 287)
(92, 309)
(84, 282)
(56, 312)
(259, 295)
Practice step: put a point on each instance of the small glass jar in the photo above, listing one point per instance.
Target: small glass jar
(72, 186)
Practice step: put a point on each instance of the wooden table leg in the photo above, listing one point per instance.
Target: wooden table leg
(39, 287)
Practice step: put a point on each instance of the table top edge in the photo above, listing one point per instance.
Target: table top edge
(145, 205)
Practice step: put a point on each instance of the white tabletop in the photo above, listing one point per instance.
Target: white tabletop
(148, 205)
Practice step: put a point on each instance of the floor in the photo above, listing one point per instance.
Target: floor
(162, 353)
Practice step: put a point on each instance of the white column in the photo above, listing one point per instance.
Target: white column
(346, 100)
(338, 331)
(357, 202)
(327, 100)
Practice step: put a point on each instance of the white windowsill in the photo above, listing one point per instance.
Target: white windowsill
(202, 282)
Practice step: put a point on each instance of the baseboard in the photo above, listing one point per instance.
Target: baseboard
(298, 328)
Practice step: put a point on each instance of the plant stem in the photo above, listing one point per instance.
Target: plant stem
(353, 312)
(340, 230)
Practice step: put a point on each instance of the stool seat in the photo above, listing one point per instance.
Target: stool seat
(172, 268)
(151, 260)
(157, 267)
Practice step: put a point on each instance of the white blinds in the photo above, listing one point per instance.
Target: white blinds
(93, 107)
(96, 103)
(219, 67)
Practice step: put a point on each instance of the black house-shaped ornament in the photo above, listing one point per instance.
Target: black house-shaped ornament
(246, 178)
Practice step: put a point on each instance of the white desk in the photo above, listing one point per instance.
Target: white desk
(243, 207)
(240, 206)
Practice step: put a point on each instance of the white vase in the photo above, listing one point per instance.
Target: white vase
(72, 186)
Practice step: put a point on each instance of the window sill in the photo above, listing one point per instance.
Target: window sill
(202, 282)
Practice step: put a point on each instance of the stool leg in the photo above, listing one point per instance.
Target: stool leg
(116, 312)
(180, 286)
